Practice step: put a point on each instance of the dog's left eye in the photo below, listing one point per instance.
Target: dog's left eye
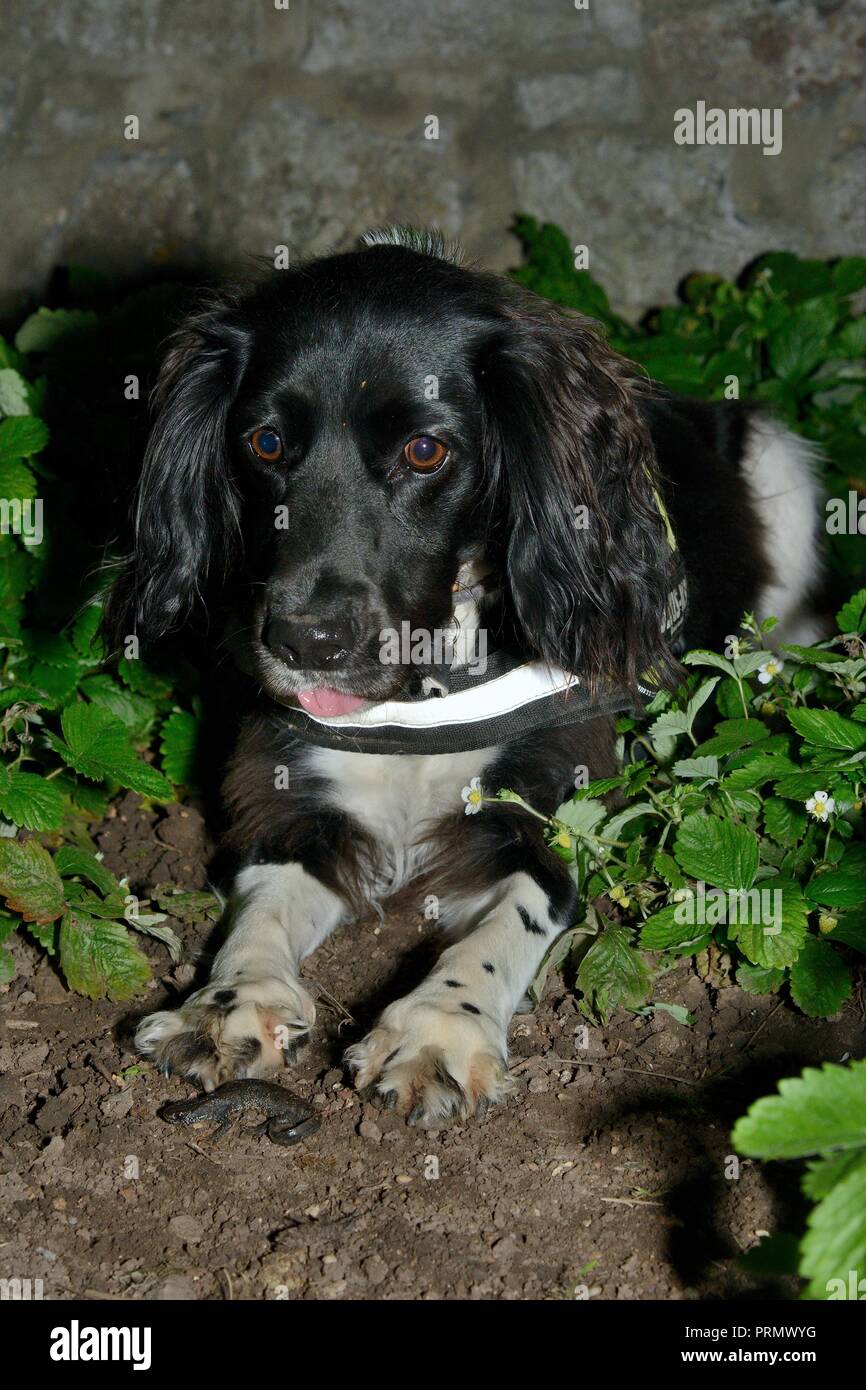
(425, 453)
(266, 445)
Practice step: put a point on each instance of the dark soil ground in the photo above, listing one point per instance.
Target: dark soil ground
(606, 1174)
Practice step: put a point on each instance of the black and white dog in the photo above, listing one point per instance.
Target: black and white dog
(384, 442)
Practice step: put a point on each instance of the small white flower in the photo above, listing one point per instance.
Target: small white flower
(820, 805)
(473, 795)
(769, 669)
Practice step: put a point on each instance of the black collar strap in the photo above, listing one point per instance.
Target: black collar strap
(509, 700)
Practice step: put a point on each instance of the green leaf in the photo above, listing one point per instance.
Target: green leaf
(100, 959)
(850, 930)
(612, 973)
(191, 907)
(849, 274)
(629, 813)
(42, 330)
(17, 483)
(137, 712)
(698, 767)
(97, 745)
(717, 851)
(771, 931)
(581, 816)
(784, 823)
(142, 680)
(73, 861)
(822, 1174)
(85, 634)
(666, 930)
(180, 736)
(667, 868)
(21, 436)
(29, 881)
(852, 615)
(820, 979)
(844, 886)
(798, 345)
(759, 768)
(759, 979)
(7, 966)
(732, 735)
(13, 393)
(835, 1239)
(27, 799)
(814, 1113)
(827, 729)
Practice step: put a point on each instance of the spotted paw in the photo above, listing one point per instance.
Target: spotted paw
(228, 1031)
(432, 1064)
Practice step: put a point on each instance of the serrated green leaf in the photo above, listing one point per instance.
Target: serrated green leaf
(731, 735)
(13, 393)
(613, 973)
(820, 979)
(99, 959)
(180, 737)
(822, 1174)
(191, 907)
(701, 657)
(758, 770)
(29, 881)
(666, 929)
(697, 767)
(29, 800)
(21, 436)
(97, 745)
(771, 930)
(73, 861)
(137, 712)
(783, 822)
(716, 851)
(835, 1239)
(843, 886)
(582, 817)
(667, 868)
(85, 634)
(759, 979)
(17, 484)
(850, 930)
(142, 680)
(827, 729)
(813, 1113)
(42, 330)
(852, 615)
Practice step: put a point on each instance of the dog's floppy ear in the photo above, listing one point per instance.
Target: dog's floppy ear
(186, 508)
(572, 470)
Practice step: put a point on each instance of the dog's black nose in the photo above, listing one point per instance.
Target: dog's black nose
(305, 641)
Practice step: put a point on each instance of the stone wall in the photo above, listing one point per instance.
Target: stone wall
(305, 124)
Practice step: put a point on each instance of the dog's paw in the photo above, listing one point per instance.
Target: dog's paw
(432, 1064)
(228, 1031)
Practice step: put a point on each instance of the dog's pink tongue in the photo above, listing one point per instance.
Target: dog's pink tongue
(328, 703)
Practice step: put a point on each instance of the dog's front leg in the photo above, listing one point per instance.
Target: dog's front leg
(441, 1052)
(252, 1009)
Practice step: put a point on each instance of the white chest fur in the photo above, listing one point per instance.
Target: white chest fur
(397, 797)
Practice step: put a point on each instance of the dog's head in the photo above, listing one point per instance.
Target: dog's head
(331, 445)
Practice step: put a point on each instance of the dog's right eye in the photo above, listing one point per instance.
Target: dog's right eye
(266, 445)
